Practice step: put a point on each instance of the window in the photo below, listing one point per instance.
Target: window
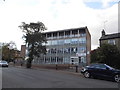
(67, 34)
(53, 60)
(60, 42)
(48, 43)
(67, 50)
(82, 34)
(112, 42)
(59, 59)
(83, 60)
(82, 49)
(75, 33)
(101, 66)
(73, 49)
(53, 50)
(74, 41)
(54, 35)
(61, 34)
(67, 41)
(82, 40)
(49, 36)
(60, 50)
(54, 42)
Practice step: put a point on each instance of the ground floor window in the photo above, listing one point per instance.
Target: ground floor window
(62, 60)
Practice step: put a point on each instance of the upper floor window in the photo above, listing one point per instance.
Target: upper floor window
(54, 35)
(82, 34)
(67, 33)
(60, 42)
(82, 40)
(54, 42)
(67, 41)
(48, 43)
(61, 34)
(112, 42)
(74, 41)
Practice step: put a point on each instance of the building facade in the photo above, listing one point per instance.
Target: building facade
(69, 46)
(23, 51)
(113, 39)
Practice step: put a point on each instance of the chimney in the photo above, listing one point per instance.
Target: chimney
(103, 33)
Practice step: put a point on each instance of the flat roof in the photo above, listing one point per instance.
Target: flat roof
(65, 30)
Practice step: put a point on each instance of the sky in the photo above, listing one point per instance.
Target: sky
(58, 15)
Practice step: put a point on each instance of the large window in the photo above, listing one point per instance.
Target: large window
(60, 42)
(82, 40)
(67, 50)
(61, 34)
(67, 33)
(59, 60)
(66, 60)
(82, 49)
(54, 42)
(53, 50)
(74, 41)
(112, 42)
(83, 60)
(55, 35)
(49, 36)
(67, 41)
(48, 43)
(82, 34)
(53, 60)
(73, 49)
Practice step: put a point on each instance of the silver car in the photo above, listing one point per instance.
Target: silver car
(3, 63)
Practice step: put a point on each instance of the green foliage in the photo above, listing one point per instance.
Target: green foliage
(8, 53)
(108, 54)
(34, 40)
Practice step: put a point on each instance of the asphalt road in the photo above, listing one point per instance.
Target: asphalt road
(14, 77)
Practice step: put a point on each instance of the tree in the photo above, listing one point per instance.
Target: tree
(8, 51)
(34, 40)
(108, 54)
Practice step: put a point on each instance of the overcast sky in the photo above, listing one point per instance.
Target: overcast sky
(58, 15)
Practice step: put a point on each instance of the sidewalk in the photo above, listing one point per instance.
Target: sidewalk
(64, 69)
(71, 69)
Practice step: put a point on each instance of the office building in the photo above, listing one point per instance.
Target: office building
(68, 46)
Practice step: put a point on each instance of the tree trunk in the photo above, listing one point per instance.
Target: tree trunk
(29, 63)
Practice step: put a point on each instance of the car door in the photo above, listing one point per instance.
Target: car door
(108, 73)
(95, 71)
(104, 72)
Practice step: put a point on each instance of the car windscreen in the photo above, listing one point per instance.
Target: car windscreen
(3, 62)
(110, 67)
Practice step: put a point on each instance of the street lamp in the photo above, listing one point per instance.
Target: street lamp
(0, 51)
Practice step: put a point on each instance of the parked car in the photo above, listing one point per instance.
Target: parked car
(3, 63)
(102, 71)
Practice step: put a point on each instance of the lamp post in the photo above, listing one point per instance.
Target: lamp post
(0, 51)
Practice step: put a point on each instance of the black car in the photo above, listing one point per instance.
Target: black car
(101, 71)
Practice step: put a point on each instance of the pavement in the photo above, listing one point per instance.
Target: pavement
(70, 70)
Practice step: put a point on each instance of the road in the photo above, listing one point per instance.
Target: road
(14, 77)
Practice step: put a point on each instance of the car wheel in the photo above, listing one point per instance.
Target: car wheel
(87, 74)
(117, 78)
